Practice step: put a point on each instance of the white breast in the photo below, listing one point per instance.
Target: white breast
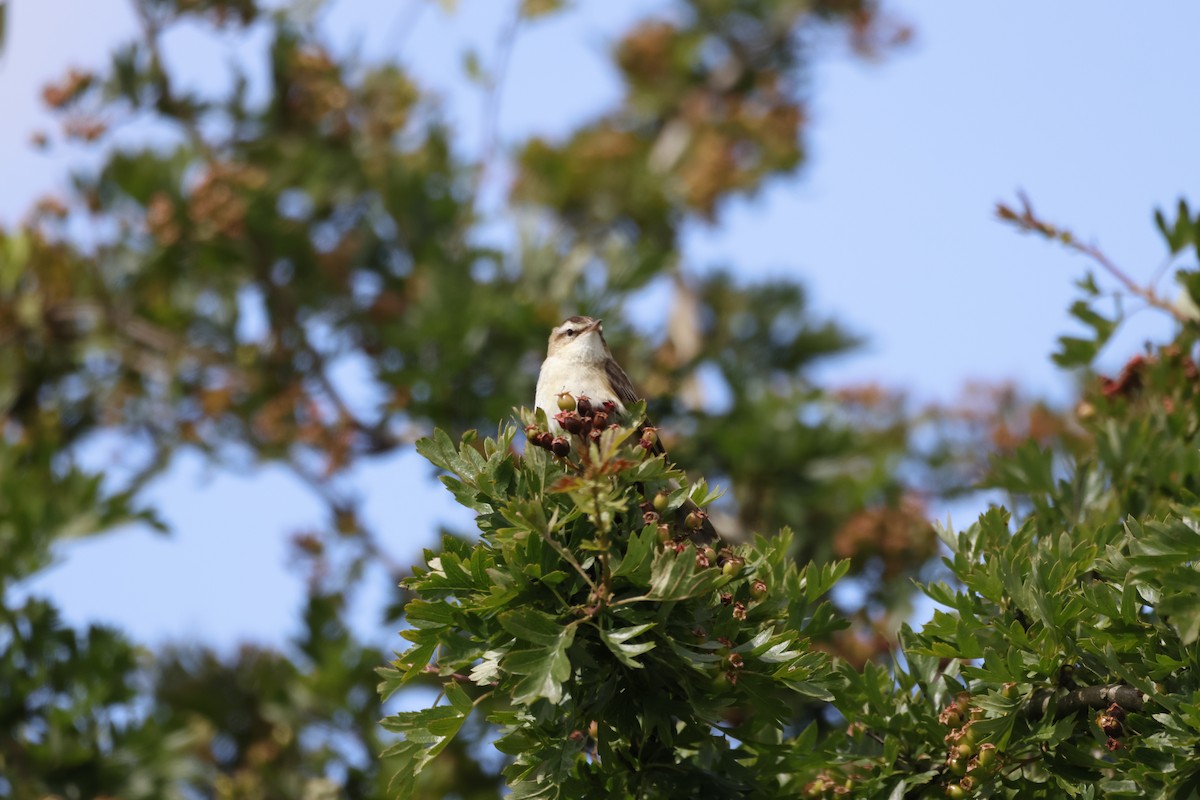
(563, 375)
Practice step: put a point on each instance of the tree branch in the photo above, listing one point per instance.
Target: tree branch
(1101, 697)
(492, 97)
(1026, 220)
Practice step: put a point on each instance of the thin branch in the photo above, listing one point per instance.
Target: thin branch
(1026, 220)
(1162, 270)
(153, 32)
(570, 559)
(432, 669)
(365, 536)
(151, 469)
(405, 22)
(491, 100)
(1100, 697)
(1147, 293)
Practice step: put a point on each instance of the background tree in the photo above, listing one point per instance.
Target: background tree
(198, 292)
(201, 288)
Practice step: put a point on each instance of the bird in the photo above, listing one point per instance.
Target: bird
(579, 361)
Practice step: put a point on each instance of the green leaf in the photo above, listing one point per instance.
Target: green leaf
(674, 576)
(473, 69)
(530, 625)
(636, 562)
(409, 665)
(532, 9)
(426, 733)
(1160, 221)
(439, 450)
(544, 669)
(628, 653)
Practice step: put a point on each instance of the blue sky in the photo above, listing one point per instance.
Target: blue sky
(1085, 106)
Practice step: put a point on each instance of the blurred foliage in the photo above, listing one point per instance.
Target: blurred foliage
(229, 257)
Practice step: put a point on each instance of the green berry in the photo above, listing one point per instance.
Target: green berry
(968, 736)
(566, 402)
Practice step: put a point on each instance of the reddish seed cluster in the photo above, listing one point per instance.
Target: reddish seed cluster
(584, 418)
(558, 445)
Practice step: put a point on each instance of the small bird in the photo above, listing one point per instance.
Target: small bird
(578, 361)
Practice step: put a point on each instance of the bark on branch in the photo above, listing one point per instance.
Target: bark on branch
(1100, 697)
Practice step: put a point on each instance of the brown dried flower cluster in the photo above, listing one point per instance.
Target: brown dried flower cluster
(217, 205)
(69, 89)
(899, 536)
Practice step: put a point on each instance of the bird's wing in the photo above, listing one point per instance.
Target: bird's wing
(623, 388)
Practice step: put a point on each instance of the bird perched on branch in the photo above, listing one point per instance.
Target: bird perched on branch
(579, 362)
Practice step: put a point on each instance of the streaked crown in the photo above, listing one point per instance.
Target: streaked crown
(576, 332)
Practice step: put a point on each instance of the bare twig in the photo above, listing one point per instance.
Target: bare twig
(1026, 220)
(405, 22)
(432, 669)
(366, 537)
(492, 97)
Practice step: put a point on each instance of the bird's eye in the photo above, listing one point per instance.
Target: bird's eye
(571, 331)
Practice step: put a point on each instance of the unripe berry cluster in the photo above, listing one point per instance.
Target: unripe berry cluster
(968, 761)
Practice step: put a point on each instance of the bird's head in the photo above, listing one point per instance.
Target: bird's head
(580, 339)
